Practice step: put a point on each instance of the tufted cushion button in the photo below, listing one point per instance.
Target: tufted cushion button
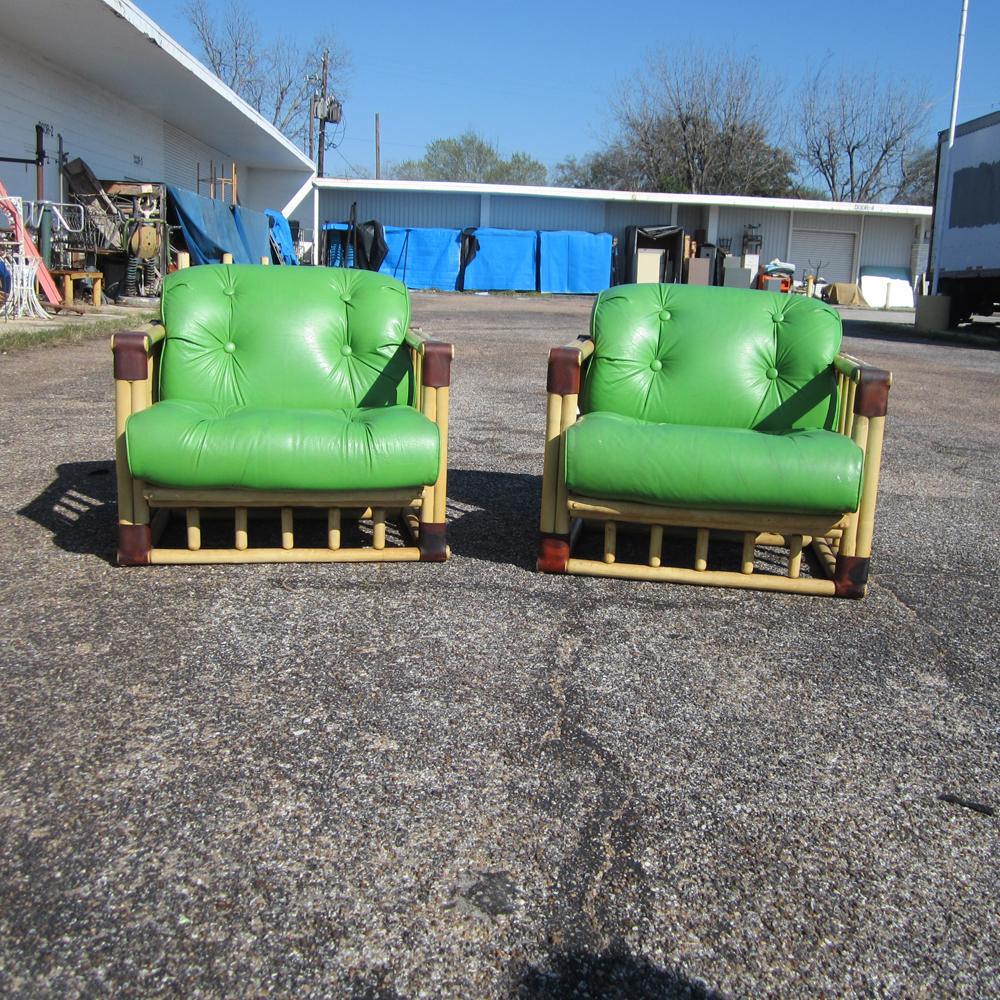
(656, 364)
(230, 347)
(346, 297)
(346, 349)
(229, 291)
(664, 315)
(772, 373)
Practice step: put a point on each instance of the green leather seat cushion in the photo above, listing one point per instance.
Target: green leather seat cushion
(611, 456)
(197, 445)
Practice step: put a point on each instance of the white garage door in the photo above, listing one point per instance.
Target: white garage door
(832, 253)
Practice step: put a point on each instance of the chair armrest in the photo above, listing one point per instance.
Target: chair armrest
(871, 398)
(132, 350)
(565, 364)
(434, 370)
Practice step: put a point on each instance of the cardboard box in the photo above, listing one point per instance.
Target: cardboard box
(737, 277)
(698, 271)
(649, 266)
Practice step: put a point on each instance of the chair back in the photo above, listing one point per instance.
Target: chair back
(720, 357)
(285, 337)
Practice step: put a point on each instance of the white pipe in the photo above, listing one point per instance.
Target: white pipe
(944, 197)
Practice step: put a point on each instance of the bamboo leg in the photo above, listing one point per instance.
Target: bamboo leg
(242, 539)
(123, 407)
(227, 258)
(794, 556)
(183, 260)
(610, 538)
(749, 544)
(333, 528)
(550, 464)
(287, 528)
(873, 462)
(193, 528)
(701, 550)
(567, 419)
(429, 410)
(441, 486)
(378, 528)
(655, 544)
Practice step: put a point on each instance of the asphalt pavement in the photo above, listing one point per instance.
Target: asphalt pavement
(472, 780)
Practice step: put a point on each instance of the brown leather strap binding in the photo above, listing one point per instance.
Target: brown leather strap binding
(872, 396)
(437, 364)
(131, 355)
(433, 542)
(564, 371)
(850, 576)
(134, 544)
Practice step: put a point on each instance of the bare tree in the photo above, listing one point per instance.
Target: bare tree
(857, 134)
(277, 79)
(702, 124)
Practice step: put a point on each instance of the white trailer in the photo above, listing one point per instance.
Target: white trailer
(967, 218)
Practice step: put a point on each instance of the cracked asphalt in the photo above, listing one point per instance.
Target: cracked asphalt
(471, 780)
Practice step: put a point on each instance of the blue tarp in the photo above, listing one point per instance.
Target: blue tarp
(339, 252)
(208, 227)
(422, 258)
(255, 233)
(574, 262)
(281, 233)
(505, 261)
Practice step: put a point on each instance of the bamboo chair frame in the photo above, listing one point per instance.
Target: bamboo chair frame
(144, 508)
(842, 543)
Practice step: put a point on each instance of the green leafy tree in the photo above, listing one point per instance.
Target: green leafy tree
(470, 157)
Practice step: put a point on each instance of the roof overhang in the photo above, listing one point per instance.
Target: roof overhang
(120, 49)
(636, 197)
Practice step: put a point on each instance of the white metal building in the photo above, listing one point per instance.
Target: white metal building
(841, 237)
(131, 102)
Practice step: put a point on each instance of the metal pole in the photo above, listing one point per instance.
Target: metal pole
(378, 148)
(322, 120)
(40, 162)
(944, 190)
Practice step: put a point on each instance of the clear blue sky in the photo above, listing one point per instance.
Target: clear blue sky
(539, 77)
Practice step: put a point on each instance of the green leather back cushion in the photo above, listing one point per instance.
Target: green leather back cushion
(302, 337)
(715, 357)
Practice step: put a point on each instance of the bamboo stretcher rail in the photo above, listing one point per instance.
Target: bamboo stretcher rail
(826, 555)
(711, 578)
(161, 496)
(807, 524)
(262, 555)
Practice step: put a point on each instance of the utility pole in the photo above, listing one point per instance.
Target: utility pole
(322, 121)
(312, 126)
(378, 148)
